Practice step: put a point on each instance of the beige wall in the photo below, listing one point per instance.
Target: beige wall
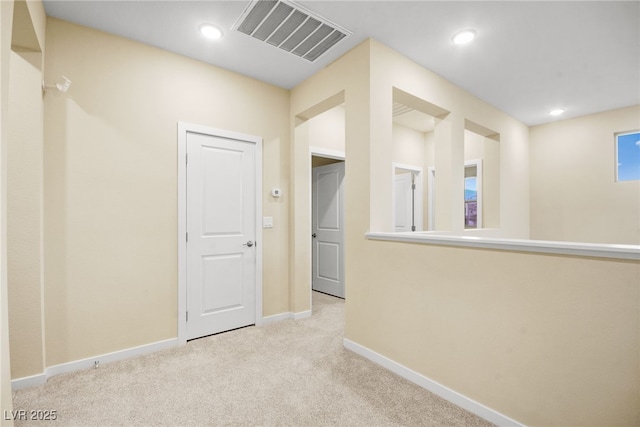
(344, 81)
(574, 196)
(21, 45)
(6, 24)
(449, 146)
(111, 185)
(411, 148)
(326, 130)
(526, 335)
(545, 340)
(24, 215)
(25, 190)
(478, 147)
(408, 146)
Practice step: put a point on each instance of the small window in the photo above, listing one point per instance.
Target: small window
(473, 194)
(471, 202)
(628, 156)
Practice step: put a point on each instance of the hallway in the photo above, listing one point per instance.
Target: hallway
(287, 373)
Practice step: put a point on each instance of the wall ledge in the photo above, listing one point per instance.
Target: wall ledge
(596, 250)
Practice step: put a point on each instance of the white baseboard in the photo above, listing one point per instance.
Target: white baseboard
(433, 386)
(284, 316)
(90, 362)
(30, 381)
(302, 315)
(276, 318)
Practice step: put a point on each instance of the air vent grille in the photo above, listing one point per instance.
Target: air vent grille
(290, 27)
(400, 109)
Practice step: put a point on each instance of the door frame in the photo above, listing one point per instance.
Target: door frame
(329, 154)
(431, 202)
(183, 129)
(419, 193)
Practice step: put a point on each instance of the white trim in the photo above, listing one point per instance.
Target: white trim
(406, 166)
(446, 393)
(285, 316)
(302, 315)
(539, 246)
(182, 232)
(431, 195)
(617, 159)
(89, 362)
(324, 152)
(183, 129)
(258, 141)
(275, 318)
(26, 382)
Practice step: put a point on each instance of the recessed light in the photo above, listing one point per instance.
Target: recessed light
(556, 112)
(464, 36)
(210, 31)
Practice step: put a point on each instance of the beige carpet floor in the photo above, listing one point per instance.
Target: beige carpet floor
(291, 373)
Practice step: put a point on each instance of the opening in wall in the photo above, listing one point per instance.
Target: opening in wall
(473, 194)
(414, 150)
(481, 177)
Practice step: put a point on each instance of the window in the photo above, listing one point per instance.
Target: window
(628, 156)
(470, 202)
(473, 194)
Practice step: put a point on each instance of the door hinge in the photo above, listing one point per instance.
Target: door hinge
(186, 159)
(187, 316)
(187, 236)
(413, 186)
(413, 228)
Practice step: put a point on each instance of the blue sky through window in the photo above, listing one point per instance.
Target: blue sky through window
(628, 146)
(470, 188)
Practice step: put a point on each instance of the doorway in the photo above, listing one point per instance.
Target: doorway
(327, 226)
(220, 252)
(407, 198)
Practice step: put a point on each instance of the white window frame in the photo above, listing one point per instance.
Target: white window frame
(478, 164)
(616, 160)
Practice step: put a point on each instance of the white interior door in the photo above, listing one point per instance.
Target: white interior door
(221, 239)
(407, 198)
(402, 201)
(327, 220)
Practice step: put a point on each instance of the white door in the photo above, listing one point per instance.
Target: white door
(327, 220)
(407, 199)
(221, 239)
(402, 201)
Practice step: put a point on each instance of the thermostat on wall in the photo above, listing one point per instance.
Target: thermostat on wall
(276, 192)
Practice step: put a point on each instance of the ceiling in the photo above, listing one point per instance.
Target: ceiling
(528, 57)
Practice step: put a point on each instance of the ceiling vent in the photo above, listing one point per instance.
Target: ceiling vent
(290, 27)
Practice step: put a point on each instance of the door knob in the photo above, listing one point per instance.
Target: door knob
(313, 235)
(249, 243)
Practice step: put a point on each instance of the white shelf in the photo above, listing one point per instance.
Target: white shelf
(597, 250)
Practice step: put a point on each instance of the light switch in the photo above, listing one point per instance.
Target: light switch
(267, 222)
